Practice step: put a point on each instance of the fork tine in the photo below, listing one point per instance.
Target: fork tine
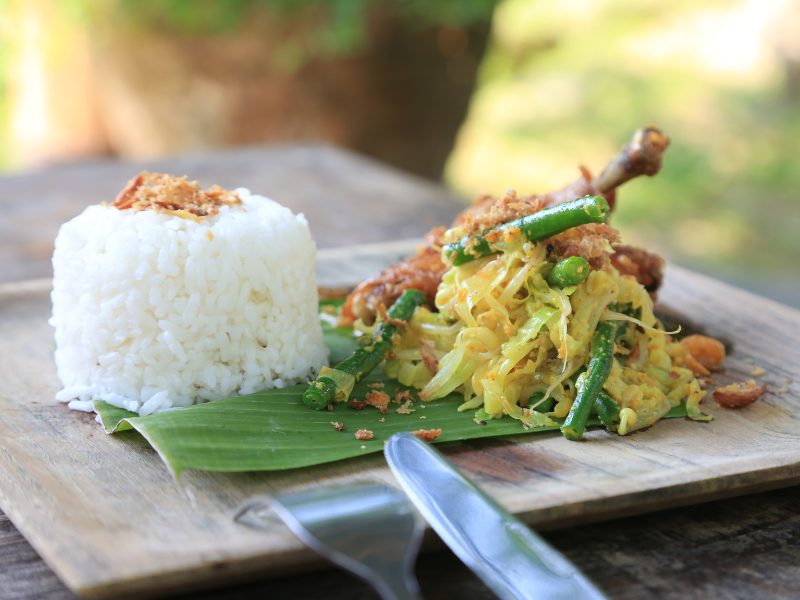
(370, 529)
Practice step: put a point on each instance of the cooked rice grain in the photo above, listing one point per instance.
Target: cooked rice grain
(153, 311)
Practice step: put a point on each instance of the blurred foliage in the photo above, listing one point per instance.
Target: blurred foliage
(342, 22)
(5, 55)
(567, 83)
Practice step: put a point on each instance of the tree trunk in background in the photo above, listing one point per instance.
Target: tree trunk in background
(787, 43)
(401, 98)
(52, 112)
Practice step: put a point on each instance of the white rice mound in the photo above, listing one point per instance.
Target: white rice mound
(153, 311)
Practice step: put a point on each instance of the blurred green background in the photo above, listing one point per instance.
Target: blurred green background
(484, 95)
(566, 82)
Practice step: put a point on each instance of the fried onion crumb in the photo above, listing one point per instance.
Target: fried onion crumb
(428, 435)
(364, 435)
(379, 400)
(401, 397)
(177, 195)
(429, 357)
(405, 408)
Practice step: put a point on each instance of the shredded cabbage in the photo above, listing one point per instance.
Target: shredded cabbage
(502, 334)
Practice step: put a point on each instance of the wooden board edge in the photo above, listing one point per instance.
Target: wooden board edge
(677, 496)
(185, 581)
(249, 568)
(746, 295)
(262, 566)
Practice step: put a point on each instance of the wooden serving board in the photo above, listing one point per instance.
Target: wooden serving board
(106, 515)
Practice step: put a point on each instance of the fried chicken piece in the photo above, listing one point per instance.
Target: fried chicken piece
(590, 241)
(488, 211)
(641, 156)
(422, 272)
(646, 267)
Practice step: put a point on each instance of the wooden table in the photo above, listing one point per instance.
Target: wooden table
(739, 548)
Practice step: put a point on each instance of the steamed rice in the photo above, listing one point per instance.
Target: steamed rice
(156, 309)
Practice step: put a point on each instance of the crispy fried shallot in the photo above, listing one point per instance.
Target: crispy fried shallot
(737, 395)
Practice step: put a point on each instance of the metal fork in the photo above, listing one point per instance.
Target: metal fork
(369, 529)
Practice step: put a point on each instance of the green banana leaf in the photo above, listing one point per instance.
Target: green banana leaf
(274, 430)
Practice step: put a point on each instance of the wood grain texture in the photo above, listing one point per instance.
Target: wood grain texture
(746, 547)
(66, 480)
(736, 549)
(23, 575)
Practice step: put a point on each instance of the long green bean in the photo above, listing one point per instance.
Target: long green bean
(569, 271)
(535, 227)
(607, 410)
(336, 384)
(590, 383)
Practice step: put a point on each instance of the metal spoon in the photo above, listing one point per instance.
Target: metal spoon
(369, 529)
